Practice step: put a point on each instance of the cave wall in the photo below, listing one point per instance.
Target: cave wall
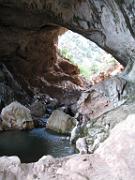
(33, 59)
(108, 23)
(29, 31)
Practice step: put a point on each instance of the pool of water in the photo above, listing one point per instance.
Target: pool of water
(31, 145)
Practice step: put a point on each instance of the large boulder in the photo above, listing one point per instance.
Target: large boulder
(118, 150)
(60, 122)
(16, 116)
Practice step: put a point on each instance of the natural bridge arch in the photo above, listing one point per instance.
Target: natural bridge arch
(33, 73)
(29, 30)
(108, 23)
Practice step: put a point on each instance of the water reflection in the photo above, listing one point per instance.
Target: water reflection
(31, 145)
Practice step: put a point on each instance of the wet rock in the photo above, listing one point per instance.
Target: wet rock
(60, 122)
(16, 116)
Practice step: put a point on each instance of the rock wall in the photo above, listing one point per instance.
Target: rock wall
(10, 89)
(33, 59)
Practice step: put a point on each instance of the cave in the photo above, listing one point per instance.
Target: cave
(94, 63)
(49, 87)
(69, 74)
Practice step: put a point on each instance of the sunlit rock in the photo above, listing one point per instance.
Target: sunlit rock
(102, 97)
(16, 116)
(60, 122)
(119, 149)
(81, 145)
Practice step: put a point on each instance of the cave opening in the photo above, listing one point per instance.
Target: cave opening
(94, 63)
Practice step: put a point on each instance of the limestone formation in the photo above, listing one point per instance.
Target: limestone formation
(60, 122)
(16, 116)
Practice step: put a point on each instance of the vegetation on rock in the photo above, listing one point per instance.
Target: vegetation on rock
(87, 55)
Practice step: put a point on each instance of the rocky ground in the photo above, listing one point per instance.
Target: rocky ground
(113, 160)
(106, 141)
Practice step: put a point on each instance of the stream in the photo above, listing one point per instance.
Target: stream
(31, 145)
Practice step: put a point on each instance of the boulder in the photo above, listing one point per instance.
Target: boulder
(38, 109)
(16, 116)
(118, 150)
(60, 122)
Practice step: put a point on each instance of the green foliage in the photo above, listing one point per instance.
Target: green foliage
(85, 54)
(84, 70)
(66, 54)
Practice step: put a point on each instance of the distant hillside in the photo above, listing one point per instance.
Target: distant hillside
(87, 55)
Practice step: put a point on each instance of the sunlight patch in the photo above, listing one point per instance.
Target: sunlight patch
(90, 58)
